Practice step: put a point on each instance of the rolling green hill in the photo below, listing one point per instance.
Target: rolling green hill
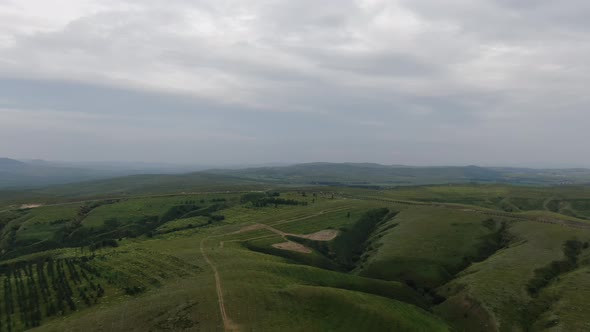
(313, 174)
(143, 185)
(218, 252)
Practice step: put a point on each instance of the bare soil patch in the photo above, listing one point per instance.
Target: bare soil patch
(251, 228)
(325, 235)
(30, 206)
(292, 246)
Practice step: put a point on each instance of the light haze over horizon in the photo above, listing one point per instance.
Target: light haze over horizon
(414, 82)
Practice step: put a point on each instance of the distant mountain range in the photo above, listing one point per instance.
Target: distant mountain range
(360, 174)
(15, 174)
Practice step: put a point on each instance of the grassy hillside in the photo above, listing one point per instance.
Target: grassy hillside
(567, 201)
(260, 291)
(136, 185)
(460, 257)
(426, 246)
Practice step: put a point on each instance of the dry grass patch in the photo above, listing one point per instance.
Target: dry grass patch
(292, 246)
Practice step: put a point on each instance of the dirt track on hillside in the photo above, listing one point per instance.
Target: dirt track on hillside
(228, 324)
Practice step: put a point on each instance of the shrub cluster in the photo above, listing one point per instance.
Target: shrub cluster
(545, 275)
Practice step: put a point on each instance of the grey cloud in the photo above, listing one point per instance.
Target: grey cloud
(391, 81)
(388, 64)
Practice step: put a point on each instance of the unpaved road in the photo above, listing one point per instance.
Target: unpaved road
(228, 324)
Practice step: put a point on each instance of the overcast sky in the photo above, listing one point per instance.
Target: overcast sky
(488, 82)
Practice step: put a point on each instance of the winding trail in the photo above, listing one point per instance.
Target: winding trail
(228, 324)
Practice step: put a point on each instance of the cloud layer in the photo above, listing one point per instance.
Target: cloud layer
(228, 81)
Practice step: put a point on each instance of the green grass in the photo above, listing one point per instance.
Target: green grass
(134, 209)
(183, 224)
(115, 272)
(501, 197)
(337, 309)
(257, 284)
(547, 215)
(581, 207)
(46, 214)
(330, 220)
(465, 271)
(569, 311)
(499, 283)
(262, 292)
(427, 246)
(43, 222)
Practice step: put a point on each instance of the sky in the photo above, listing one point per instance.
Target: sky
(416, 82)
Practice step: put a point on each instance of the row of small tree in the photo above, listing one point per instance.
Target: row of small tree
(45, 288)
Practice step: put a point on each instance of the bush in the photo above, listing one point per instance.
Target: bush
(251, 197)
(178, 211)
(217, 217)
(545, 275)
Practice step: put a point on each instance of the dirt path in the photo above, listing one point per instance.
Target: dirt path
(274, 230)
(30, 206)
(228, 324)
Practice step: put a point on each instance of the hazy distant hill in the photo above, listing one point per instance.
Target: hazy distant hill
(18, 174)
(10, 164)
(376, 174)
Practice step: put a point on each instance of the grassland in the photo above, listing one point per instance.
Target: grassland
(574, 200)
(437, 258)
(448, 243)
